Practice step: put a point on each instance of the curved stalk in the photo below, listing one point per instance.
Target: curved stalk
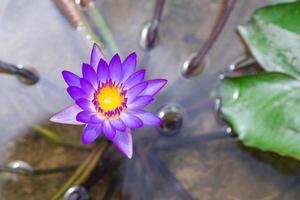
(38, 172)
(215, 34)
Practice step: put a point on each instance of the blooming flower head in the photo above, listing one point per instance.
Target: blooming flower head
(109, 99)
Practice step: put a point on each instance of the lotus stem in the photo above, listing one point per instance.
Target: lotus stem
(215, 34)
(100, 27)
(37, 172)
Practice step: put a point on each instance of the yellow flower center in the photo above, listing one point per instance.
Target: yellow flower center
(110, 98)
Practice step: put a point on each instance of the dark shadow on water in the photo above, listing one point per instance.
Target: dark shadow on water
(283, 164)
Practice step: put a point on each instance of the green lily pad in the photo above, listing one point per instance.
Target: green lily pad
(264, 111)
(273, 37)
(282, 1)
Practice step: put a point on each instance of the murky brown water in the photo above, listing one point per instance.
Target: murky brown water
(35, 33)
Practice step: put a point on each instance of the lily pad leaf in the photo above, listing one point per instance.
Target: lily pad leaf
(263, 110)
(273, 37)
(282, 1)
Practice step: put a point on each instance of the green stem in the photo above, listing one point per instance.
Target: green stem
(76, 18)
(83, 171)
(37, 172)
(87, 33)
(102, 28)
(54, 137)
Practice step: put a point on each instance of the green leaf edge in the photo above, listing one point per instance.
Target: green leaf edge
(243, 136)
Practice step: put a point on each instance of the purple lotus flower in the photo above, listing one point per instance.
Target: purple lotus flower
(109, 99)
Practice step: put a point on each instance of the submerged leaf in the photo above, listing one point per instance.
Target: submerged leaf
(263, 110)
(273, 37)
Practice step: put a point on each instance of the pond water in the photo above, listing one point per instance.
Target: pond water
(183, 164)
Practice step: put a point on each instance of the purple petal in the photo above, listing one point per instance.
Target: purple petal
(131, 121)
(135, 78)
(140, 102)
(85, 117)
(133, 92)
(90, 133)
(86, 105)
(96, 55)
(115, 68)
(118, 124)
(90, 75)
(71, 79)
(103, 73)
(128, 66)
(97, 119)
(123, 141)
(108, 130)
(154, 86)
(87, 87)
(148, 118)
(67, 115)
(77, 93)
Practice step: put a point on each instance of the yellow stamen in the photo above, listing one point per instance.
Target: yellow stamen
(110, 98)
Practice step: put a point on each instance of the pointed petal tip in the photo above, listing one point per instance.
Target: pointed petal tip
(96, 46)
(131, 58)
(129, 156)
(102, 60)
(67, 115)
(115, 68)
(64, 72)
(156, 121)
(96, 55)
(154, 86)
(115, 58)
(52, 119)
(70, 78)
(133, 54)
(86, 68)
(159, 123)
(164, 80)
(129, 65)
(148, 118)
(117, 55)
(103, 72)
(143, 70)
(86, 142)
(163, 83)
(123, 141)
